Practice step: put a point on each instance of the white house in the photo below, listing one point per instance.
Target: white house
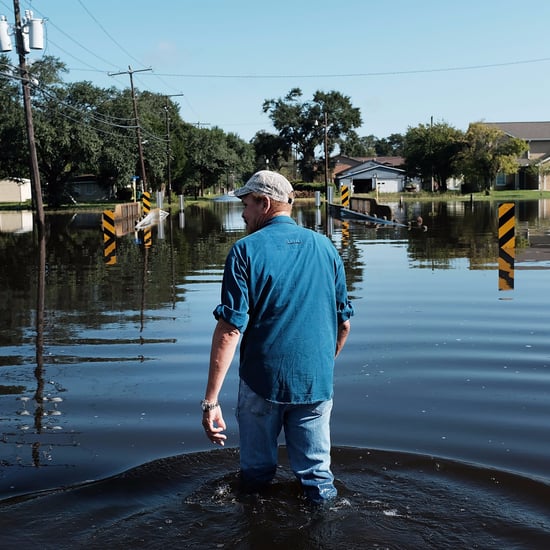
(373, 176)
(15, 190)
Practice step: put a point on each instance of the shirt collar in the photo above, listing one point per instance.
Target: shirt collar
(280, 219)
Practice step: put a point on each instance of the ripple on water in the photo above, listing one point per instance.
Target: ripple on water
(386, 499)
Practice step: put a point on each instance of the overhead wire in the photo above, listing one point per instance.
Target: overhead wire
(117, 43)
(89, 117)
(104, 118)
(67, 35)
(96, 21)
(358, 75)
(158, 75)
(89, 114)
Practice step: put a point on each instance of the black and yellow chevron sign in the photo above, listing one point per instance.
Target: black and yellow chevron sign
(506, 225)
(506, 245)
(345, 234)
(506, 260)
(147, 237)
(146, 202)
(109, 237)
(345, 196)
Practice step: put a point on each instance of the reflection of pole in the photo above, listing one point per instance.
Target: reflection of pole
(131, 72)
(39, 369)
(143, 286)
(172, 263)
(35, 173)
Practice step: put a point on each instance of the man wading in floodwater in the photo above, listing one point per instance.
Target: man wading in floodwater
(284, 289)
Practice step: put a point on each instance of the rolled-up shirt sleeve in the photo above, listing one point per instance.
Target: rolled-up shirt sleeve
(344, 308)
(234, 295)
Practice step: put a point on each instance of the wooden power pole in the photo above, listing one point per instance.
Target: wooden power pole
(24, 73)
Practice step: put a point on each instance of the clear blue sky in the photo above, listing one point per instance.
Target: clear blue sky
(401, 62)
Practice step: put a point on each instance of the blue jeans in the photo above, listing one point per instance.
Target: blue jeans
(307, 435)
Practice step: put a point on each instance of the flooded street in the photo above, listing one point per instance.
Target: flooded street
(442, 394)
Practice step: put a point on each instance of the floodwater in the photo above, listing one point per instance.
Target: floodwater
(441, 433)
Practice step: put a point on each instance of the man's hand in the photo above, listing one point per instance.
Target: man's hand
(214, 425)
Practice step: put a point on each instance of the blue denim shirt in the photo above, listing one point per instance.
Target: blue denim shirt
(284, 288)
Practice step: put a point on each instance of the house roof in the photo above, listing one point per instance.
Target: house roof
(389, 161)
(369, 166)
(343, 163)
(529, 131)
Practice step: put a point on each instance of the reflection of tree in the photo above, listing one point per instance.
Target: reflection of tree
(456, 230)
(81, 287)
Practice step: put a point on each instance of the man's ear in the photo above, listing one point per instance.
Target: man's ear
(266, 203)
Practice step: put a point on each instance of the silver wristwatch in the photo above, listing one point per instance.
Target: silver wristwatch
(208, 406)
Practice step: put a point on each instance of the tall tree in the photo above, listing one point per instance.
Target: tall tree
(270, 150)
(430, 153)
(355, 146)
(304, 124)
(117, 161)
(488, 151)
(215, 159)
(392, 146)
(66, 137)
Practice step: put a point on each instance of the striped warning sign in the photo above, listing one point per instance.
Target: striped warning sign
(146, 202)
(109, 237)
(147, 238)
(345, 234)
(506, 225)
(345, 196)
(506, 245)
(506, 258)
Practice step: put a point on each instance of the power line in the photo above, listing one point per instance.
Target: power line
(92, 115)
(131, 72)
(107, 33)
(357, 75)
(118, 44)
(50, 22)
(49, 41)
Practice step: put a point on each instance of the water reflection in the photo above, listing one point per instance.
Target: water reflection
(103, 365)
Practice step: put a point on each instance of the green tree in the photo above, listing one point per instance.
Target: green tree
(152, 119)
(303, 124)
(270, 150)
(215, 159)
(355, 146)
(117, 161)
(67, 136)
(14, 156)
(77, 130)
(81, 128)
(240, 159)
(430, 152)
(487, 151)
(392, 146)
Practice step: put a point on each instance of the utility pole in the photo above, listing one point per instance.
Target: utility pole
(131, 72)
(24, 73)
(326, 154)
(168, 149)
(431, 153)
